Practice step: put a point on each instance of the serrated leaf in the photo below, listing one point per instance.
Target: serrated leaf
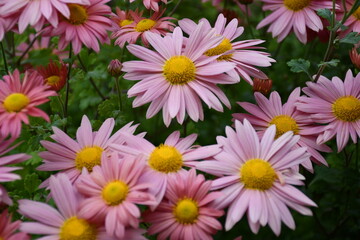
(299, 65)
(31, 182)
(351, 38)
(331, 63)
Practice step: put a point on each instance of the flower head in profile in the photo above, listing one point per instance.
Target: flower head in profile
(166, 159)
(256, 176)
(174, 78)
(8, 228)
(335, 103)
(293, 15)
(18, 100)
(112, 192)
(241, 53)
(286, 118)
(186, 212)
(130, 33)
(152, 4)
(54, 75)
(70, 156)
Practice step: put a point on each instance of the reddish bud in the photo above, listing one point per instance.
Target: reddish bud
(355, 57)
(262, 85)
(115, 67)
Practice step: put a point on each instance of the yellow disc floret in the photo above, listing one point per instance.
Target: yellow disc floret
(144, 25)
(77, 229)
(347, 109)
(296, 5)
(166, 159)
(257, 174)
(356, 14)
(125, 22)
(284, 123)
(179, 70)
(224, 46)
(15, 102)
(88, 157)
(78, 14)
(115, 192)
(52, 80)
(186, 211)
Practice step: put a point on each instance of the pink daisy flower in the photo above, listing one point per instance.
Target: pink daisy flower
(186, 211)
(7, 22)
(122, 18)
(66, 222)
(153, 4)
(237, 52)
(286, 118)
(6, 174)
(295, 15)
(33, 12)
(130, 33)
(335, 103)
(19, 98)
(87, 24)
(353, 22)
(8, 228)
(112, 192)
(70, 156)
(256, 177)
(175, 78)
(166, 159)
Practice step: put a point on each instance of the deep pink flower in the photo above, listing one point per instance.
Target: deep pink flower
(186, 212)
(8, 228)
(336, 103)
(257, 177)
(19, 98)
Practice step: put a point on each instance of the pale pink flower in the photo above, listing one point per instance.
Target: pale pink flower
(257, 177)
(7, 22)
(353, 22)
(70, 156)
(153, 4)
(293, 15)
(35, 12)
(186, 212)
(166, 159)
(19, 98)
(112, 192)
(130, 33)
(66, 222)
(335, 103)
(8, 228)
(87, 24)
(175, 78)
(239, 52)
(286, 118)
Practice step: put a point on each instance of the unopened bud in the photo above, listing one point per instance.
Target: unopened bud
(355, 58)
(115, 67)
(262, 85)
(246, 1)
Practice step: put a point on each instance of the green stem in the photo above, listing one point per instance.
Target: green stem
(118, 89)
(67, 86)
(175, 8)
(61, 105)
(26, 50)
(4, 58)
(248, 20)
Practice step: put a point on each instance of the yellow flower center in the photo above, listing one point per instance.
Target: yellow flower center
(115, 192)
(15, 102)
(78, 14)
(125, 22)
(347, 108)
(179, 70)
(77, 229)
(166, 159)
(186, 211)
(52, 80)
(257, 174)
(144, 25)
(356, 14)
(296, 5)
(224, 46)
(88, 157)
(284, 123)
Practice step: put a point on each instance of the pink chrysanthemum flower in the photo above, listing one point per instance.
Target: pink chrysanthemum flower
(19, 98)
(6, 174)
(286, 118)
(8, 228)
(66, 222)
(112, 192)
(7, 22)
(294, 15)
(353, 22)
(256, 177)
(130, 33)
(33, 12)
(335, 103)
(239, 52)
(87, 24)
(166, 159)
(122, 18)
(186, 211)
(175, 78)
(153, 4)
(70, 156)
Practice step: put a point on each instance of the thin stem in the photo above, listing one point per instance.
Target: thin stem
(4, 58)
(61, 105)
(248, 20)
(118, 89)
(26, 50)
(175, 8)
(277, 51)
(67, 86)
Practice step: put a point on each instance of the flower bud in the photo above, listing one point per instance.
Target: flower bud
(115, 67)
(262, 85)
(355, 57)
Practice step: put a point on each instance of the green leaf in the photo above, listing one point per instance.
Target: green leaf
(331, 63)
(325, 13)
(351, 38)
(299, 65)
(31, 182)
